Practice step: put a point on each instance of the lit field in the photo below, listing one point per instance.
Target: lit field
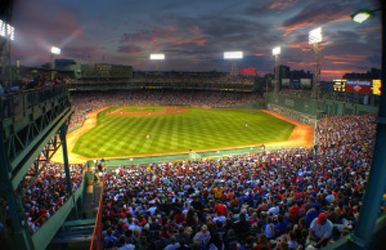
(143, 109)
(195, 129)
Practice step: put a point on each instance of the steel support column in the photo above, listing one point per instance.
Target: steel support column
(63, 133)
(377, 180)
(22, 238)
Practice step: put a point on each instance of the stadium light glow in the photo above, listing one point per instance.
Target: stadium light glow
(55, 50)
(233, 55)
(315, 36)
(157, 56)
(276, 51)
(362, 15)
(7, 30)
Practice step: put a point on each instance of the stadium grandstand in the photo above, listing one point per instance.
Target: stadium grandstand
(103, 156)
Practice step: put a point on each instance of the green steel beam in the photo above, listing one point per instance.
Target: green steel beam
(35, 148)
(377, 179)
(21, 236)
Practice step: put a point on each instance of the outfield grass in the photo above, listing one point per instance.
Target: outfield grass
(196, 129)
(143, 109)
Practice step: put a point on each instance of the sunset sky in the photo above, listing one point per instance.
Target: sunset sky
(194, 34)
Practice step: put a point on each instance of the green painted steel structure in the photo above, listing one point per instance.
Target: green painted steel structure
(33, 125)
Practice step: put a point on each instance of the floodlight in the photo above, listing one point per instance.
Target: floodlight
(315, 36)
(7, 30)
(233, 55)
(157, 56)
(362, 15)
(276, 51)
(55, 50)
(2, 28)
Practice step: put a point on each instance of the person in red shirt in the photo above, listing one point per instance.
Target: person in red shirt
(298, 194)
(294, 213)
(179, 216)
(264, 206)
(220, 207)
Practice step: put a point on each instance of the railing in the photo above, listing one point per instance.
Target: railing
(97, 234)
(17, 103)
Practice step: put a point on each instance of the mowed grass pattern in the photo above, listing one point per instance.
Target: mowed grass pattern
(145, 109)
(196, 129)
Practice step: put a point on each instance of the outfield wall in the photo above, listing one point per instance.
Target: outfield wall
(256, 105)
(192, 156)
(306, 110)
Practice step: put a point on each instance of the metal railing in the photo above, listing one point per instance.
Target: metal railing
(96, 240)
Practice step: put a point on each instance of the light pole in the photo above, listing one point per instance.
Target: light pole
(315, 37)
(7, 34)
(54, 51)
(276, 52)
(158, 58)
(233, 56)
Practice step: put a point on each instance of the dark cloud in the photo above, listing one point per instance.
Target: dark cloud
(283, 4)
(129, 49)
(194, 34)
(317, 14)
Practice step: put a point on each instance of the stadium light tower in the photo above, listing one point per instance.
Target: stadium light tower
(158, 58)
(276, 52)
(7, 35)
(54, 51)
(315, 37)
(233, 56)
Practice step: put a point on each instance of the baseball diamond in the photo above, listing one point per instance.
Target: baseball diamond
(110, 133)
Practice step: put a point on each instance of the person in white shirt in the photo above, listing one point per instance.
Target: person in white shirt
(330, 197)
(173, 244)
(320, 230)
(219, 217)
(274, 210)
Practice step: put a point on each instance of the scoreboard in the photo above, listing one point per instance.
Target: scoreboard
(358, 86)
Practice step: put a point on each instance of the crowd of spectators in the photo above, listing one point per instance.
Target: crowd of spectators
(47, 193)
(193, 80)
(289, 199)
(84, 103)
(33, 82)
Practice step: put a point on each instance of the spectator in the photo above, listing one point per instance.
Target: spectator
(320, 230)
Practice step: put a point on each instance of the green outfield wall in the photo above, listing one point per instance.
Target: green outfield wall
(256, 105)
(306, 110)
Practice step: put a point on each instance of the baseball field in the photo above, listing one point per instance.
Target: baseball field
(142, 130)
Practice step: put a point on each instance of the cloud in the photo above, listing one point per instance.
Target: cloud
(346, 57)
(283, 4)
(129, 49)
(172, 34)
(304, 46)
(367, 30)
(316, 14)
(332, 74)
(82, 54)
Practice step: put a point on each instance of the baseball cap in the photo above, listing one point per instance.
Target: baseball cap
(321, 218)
